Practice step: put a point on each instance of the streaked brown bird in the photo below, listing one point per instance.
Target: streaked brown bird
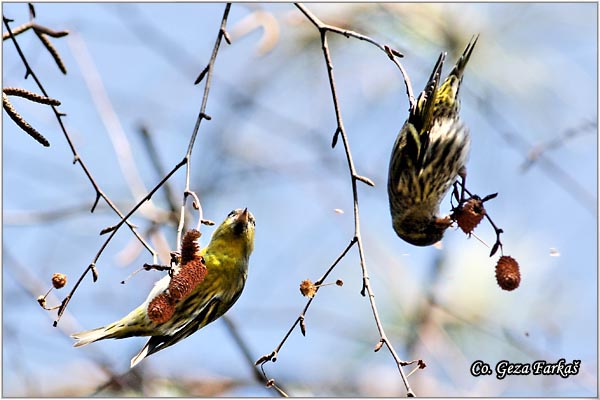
(429, 153)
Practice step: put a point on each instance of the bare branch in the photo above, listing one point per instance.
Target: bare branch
(354, 178)
(388, 50)
(18, 30)
(208, 72)
(273, 355)
(76, 157)
(322, 27)
(113, 230)
(49, 32)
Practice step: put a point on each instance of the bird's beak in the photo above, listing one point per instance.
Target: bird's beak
(243, 217)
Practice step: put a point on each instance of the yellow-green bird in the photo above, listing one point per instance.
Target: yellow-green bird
(226, 258)
(430, 151)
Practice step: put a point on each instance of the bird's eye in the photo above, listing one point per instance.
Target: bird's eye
(231, 214)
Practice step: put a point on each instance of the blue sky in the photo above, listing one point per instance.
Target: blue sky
(531, 79)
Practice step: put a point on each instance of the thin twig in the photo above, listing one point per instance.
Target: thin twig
(38, 28)
(357, 235)
(388, 50)
(407, 83)
(49, 32)
(99, 193)
(76, 157)
(273, 355)
(498, 244)
(185, 161)
(17, 31)
(207, 74)
(113, 230)
(355, 177)
(32, 285)
(322, 27)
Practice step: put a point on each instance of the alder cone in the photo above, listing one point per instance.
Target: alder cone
(507, 273)
(469, 215)
(161, 308)
(189, 246)
(185, 281)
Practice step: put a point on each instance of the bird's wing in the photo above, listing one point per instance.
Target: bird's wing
(460, 65)
(421, 116)
(210, 312)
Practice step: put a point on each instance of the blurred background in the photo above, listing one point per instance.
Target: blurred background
(529, 97)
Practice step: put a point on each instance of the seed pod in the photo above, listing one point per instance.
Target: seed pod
(189, 246)
(469, 215)
(307, 288)
(59, 280)
(507, 273)
(42, 301)
(187, 279)
(161, 308)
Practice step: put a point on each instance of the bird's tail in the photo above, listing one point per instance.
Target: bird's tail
(87, 337)
(145, 351)
(133, 324)
(447, 103)
(421, 115)
(460, 65)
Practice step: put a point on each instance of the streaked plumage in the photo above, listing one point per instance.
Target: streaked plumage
(430, 150)
(226, 258)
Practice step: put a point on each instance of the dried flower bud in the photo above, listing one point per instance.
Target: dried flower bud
(507, 273)
(469, 215)
(94, 273)
(42, 301)
(161, 309)
(307, 288)
(339, 282)
(187, 279)
(175, 258)
(263, 359)
(189, 246)
(59, 280)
